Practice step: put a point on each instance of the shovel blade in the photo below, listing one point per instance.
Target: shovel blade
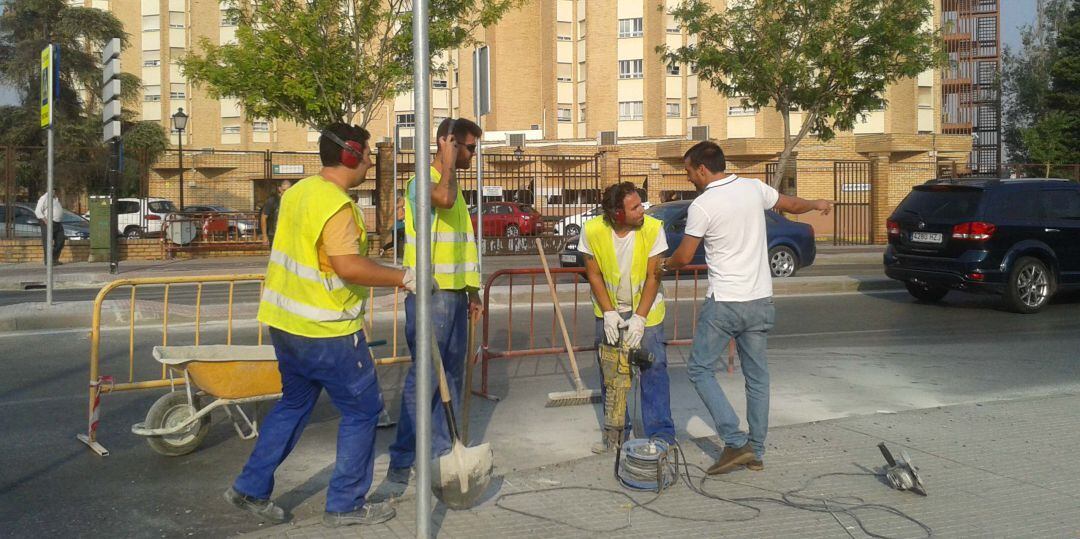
(461, 477)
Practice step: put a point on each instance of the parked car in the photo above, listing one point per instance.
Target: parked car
(243, 227)
(509, 219)
(26, 224)
(571, 226)
(791, 244)
(141, 217)
(1018, 238)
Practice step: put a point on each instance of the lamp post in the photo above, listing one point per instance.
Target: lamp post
(519, 154)
(179, 122)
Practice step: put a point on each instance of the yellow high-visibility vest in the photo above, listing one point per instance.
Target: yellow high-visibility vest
(298, 297)
(598, 232)
(454, 258)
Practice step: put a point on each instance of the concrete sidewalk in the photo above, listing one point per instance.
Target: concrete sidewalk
(1003, 469)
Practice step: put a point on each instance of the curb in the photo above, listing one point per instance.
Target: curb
(117, 312)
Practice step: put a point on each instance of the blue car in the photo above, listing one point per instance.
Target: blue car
(791, 244)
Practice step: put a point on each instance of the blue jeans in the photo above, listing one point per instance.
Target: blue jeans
(654, 382)
(748, 323)
(344, 368)
(450, 322)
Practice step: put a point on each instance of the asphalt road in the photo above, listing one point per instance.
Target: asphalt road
(831, 356)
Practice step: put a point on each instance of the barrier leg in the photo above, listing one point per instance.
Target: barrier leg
(483, 392)
(90, 438)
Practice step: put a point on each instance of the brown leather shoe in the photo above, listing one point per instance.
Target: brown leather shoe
(755, 465)
(731, 458)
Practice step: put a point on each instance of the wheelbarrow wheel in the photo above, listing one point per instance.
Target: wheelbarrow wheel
(170, 410)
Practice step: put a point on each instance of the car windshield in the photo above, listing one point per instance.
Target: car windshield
(161, 206)
(939, 203)
(525, 208)
(668, 212)
(73, 219)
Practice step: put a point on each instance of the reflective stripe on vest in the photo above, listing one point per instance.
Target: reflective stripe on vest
(298, 297)
(455, 262)
(598, 232)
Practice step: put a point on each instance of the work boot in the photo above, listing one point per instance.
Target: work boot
(370, 513)
(732, 458)
(601, 447)
(265, 510)
(756, 465)
(399, 475)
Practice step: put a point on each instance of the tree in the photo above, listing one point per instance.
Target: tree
(1048, 141)
(1025, 75)
(315, 62)
(831, 59)
(1064, 97)
(144, 143)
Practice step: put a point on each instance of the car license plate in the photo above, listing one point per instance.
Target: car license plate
(569, 259)
(926, 237)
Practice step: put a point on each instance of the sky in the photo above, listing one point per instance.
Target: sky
(1014, 14)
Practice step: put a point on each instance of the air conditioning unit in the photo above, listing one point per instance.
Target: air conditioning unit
(699, 132)
(608, 138)
(406, 144)
(515, 140)
(535, 127)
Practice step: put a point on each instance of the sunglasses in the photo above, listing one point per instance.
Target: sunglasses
(470, 147)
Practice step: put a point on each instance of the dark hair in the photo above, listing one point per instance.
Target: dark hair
(614, 199)
(330, 151)
(462, 127)
(706, 153)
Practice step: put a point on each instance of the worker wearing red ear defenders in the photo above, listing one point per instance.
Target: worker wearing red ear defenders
(622, 249)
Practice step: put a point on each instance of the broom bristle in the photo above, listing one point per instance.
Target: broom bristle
(573, 398)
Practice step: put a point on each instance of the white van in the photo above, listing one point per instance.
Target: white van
(141, 217)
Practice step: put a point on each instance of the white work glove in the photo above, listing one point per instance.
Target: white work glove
(635, 330)
(408, 282)
(612, 323)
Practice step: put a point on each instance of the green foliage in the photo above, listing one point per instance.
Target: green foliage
(831, 59)
(323, 61)
(1048, 142)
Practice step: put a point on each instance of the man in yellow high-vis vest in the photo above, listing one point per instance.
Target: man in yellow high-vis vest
(313, 301)
(456, 298)
(622, 249)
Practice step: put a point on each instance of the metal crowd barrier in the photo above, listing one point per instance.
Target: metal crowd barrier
(101, 383)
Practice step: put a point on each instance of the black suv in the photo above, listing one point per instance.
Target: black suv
(1016, 238)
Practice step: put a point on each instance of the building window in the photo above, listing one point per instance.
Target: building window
(581, 112)
(563, 72)
(693, 108)
(151, 58)
(260, 126)
(151, 23)
(406, 120)
(672, 25)
(674, 69)
(176, 20)
(177, 91)
(631, 110)
(440, 83)
(230, 130)
(227, 18)
(738, 109)
(564, 113)
(631, 28)
(565, 31)
(630, 69)
(152, 93)
(674, 108)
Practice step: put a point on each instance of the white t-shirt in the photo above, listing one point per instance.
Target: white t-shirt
(624, 253)
(42, 208)
(730, 217)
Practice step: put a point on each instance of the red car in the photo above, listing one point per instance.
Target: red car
(509, 219)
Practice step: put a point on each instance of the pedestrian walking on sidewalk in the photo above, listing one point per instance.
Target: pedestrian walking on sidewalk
(313, 300)
(41, 211)
(268, 217)
(622, 249)
(456, 297)
(729, 216)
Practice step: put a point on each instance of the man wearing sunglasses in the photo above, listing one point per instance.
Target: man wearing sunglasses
(456, 298)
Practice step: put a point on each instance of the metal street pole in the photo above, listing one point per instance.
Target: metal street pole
(421, 109)
(479, 165)
(181, 169)
(397, 191)
(49, 222)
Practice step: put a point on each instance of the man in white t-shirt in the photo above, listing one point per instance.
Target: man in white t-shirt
(622, 249)
(42, 213)
(729, 216)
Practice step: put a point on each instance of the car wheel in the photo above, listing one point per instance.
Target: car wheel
(926, 292)
(133, 232)
(573, 230)
(1030, 286)
(512, 231)
(782, 261)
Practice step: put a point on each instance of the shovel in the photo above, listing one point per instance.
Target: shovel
(460, 477)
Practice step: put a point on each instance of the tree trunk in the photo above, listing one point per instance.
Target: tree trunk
(785, 154)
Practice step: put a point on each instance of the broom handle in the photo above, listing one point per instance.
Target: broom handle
(578, 385)
(468, 385)
(444, 389)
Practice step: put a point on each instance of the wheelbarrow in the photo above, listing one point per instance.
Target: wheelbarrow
(230, 375)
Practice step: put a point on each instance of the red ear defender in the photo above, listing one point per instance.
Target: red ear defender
(620, 217)
(350, 156)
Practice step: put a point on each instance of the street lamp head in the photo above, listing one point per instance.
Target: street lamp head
(519, 153)
(179, 120)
